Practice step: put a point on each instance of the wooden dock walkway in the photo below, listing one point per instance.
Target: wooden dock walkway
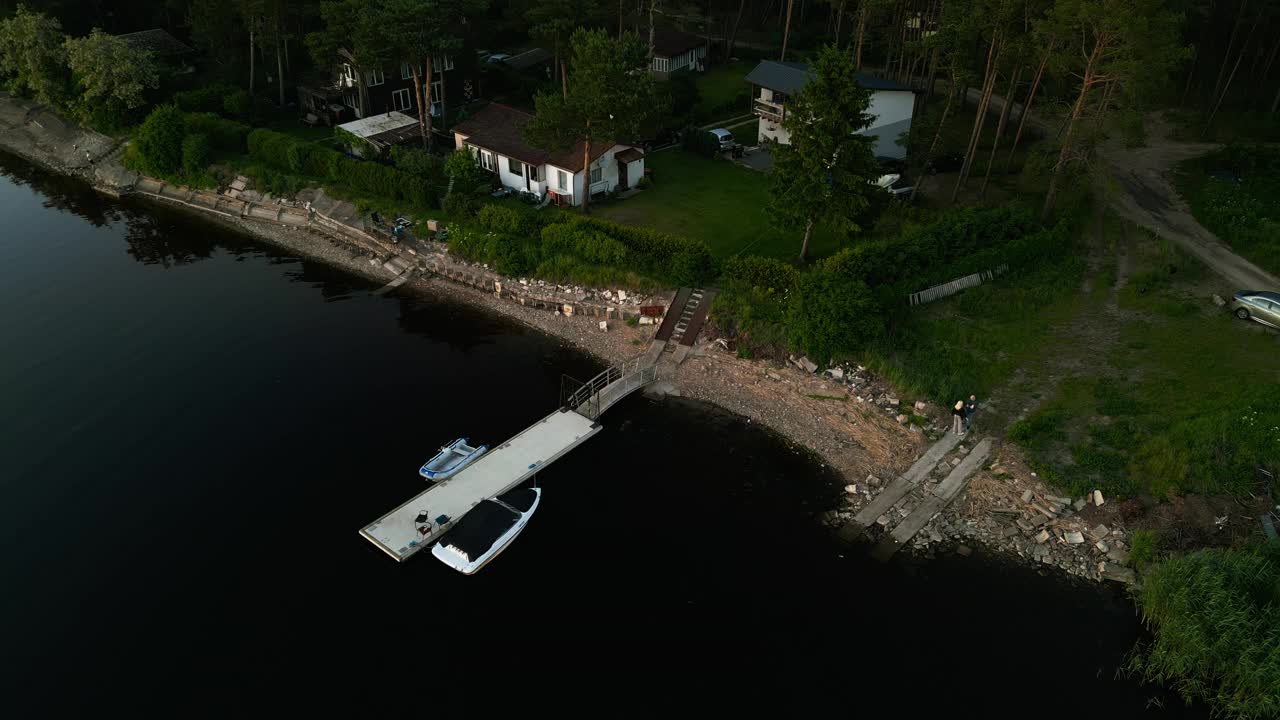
(898, 489)
(933, 503)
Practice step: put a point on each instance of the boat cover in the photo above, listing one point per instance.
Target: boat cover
(479, 529)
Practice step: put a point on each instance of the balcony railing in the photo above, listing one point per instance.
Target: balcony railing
(766, 109)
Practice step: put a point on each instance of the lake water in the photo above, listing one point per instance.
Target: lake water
(195, 427)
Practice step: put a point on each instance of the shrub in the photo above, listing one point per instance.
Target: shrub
(286, 154)
(461, 168)
(225, 135)
(584, 243)
(830, 315)
(508, 220)
(159, 139)
(207, 99)
(417, 161)
(461, 205)
(671, 257)
(761, 272)
(238, 104)
(1216, 621)
(195, 153)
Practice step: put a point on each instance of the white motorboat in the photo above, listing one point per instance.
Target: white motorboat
(487, 530)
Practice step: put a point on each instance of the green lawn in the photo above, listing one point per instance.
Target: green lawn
(720, 86)
(714, 200)
(1136, 384)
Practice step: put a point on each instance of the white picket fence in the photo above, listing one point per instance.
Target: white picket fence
(951, 288)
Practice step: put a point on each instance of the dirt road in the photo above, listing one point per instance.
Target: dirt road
(1144, 195)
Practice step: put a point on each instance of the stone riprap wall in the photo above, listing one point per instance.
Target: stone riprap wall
(576, 301)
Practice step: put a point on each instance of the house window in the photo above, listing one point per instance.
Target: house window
(437, 89)
(439, 64)
(535, 174)
(406, 71)
(376, 77)
(348, 73)
(597, 174)
(563, 177)
(401, 99)
(351, 100)
(515, 167)
(487, 161)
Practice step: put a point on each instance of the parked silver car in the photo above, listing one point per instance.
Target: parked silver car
(1261, 306)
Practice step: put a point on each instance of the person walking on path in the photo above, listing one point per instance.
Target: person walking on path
(957, 418)
(970, 409)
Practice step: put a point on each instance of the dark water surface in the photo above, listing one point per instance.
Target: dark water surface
(195, 427)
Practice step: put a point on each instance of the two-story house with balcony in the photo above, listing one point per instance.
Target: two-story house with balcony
(494, 135)
(774, 83)
(350, 92)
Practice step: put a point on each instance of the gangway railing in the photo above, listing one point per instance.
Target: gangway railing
(598, 394)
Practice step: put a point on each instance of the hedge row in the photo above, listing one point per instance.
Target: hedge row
(563, 247)
(225, 135)
(285, 153)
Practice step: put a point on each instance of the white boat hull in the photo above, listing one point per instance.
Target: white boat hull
(446, 554)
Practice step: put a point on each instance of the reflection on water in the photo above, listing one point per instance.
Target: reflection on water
(193, 435)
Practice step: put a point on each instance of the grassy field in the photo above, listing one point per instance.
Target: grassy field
(719, 86)
(1113, 371)
(714, 200)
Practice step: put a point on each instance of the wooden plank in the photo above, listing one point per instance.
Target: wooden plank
(933, 504)
(899, 488)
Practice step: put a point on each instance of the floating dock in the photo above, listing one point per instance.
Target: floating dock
(400, 535)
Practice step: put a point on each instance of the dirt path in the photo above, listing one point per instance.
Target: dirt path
(1144, 196)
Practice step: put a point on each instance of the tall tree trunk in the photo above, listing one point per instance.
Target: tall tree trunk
(287, 65)
(250, 59)
(946, 110)
(1026, 106)
(564, 82)
(586, 170)
(804, 246)
(786, 32)
(1226, 88)
(555, 60)
(429, 71)
(652, 6)
(280, 68)
(1275, 103)
(863, 9)
(733, 33)
(839, 22)
(444, 96)
(988, 86)
(1086, 85)
(1226, 56)
(1004, 117)
(621, 14)
(423, 108)
(1191, 74)
(1208, 124)
(1266, 70)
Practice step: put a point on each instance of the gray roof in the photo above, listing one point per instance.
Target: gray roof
(789, 77)
(528, 59)
(157, 41)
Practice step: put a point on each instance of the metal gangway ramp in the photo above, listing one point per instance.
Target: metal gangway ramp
(430, 514)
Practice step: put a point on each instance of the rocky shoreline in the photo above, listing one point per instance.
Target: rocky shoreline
(848, 419)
